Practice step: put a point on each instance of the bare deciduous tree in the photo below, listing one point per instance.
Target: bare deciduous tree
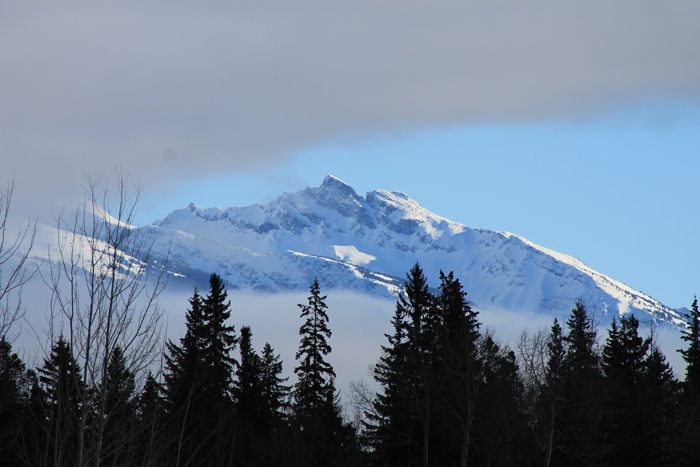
(104, 289)
(14, 252)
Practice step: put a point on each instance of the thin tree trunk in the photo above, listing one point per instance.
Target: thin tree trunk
(550, 437)
(425, 444)
(466, 439)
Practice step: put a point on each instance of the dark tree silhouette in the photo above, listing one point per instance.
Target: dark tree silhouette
(316, 408)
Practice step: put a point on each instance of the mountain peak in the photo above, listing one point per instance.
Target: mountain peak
(334, 233)
(333, 187)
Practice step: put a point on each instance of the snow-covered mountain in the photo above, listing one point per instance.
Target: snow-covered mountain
(367, 244)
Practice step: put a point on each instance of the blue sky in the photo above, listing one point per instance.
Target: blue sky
(574, 125)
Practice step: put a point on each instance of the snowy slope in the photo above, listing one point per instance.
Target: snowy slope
(367, 244)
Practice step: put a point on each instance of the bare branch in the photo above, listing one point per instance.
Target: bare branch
(15, 252)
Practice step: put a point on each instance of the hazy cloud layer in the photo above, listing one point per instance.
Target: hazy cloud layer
(358, 324)
(167, 89)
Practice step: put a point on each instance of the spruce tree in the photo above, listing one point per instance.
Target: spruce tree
(199, 375)
(582, 337)
(62, 386)
(14, 398)
(497, 408)
(457, 368)
(400, 424)
(316, 409)
(120, 412)
(624, 423)
(275, 393)
(418, 306)
(550, 399)
(184, 385)
(690, 435)
(390, 425)
(661, 391)
(691, 354)
(151, 406)
(220, 341)
(252, 435)
(582, 392)
(248, 385)
(313, 371)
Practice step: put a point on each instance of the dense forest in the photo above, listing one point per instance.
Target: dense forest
(450, 394)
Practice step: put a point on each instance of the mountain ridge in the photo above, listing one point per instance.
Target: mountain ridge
(367, 244)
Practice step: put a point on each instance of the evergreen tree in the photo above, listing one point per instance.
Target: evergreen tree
(247, 389)
(691, 354)
(550, 401)
(400, 424)
(497, 411)
(14, 398)
(390, 426)
(275, 393)
(418, 305)
(184, 387)
(690, 434)
(151, 444)
(199, 374)
(62, 386)
(626, 433)
(581, 393)
(314, 372)
(120, 412)
(184, 363)
(661, 390)
(248, 385)
(581, 356)
(316, 409)
(220, 341)
(457, 382)
(273, 411)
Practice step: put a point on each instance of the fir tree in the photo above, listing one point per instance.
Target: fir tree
(550, 400)
(661, 390)
(314, 372)
(248, 385)
(691, 354)
(220, 341)
(581, 393)
(418, 306)
(390, 425)
(14, 398)
(581, 356)
(497, 410)
(184, 363)
(247, 390)
(151, 406)
(275, 393)
(120, 412)
(690, 435)
(199, 374)
(316, 409)
(624, 423)
(457, 369)
(400, 424)
(62, 386)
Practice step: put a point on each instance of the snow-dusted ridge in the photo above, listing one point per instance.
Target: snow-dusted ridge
(367, 244)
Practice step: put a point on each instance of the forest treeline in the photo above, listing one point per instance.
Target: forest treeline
(449, 395)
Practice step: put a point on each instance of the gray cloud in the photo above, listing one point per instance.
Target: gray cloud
(219, 86)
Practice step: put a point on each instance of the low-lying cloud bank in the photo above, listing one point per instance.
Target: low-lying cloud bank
(358, 323)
